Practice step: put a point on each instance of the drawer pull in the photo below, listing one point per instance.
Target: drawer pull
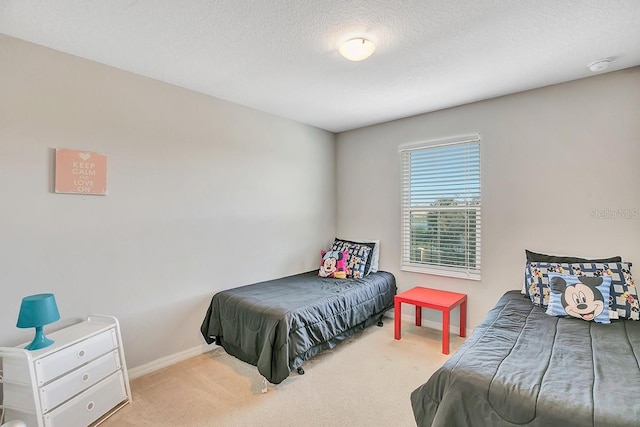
(90, 406)
(81, 353)
(85, 378)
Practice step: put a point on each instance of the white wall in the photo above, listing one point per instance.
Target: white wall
(203, 195)
(550, 158)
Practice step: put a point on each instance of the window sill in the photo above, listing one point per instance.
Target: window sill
(441, 272)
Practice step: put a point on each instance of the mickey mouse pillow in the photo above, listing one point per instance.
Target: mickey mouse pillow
(586, 298)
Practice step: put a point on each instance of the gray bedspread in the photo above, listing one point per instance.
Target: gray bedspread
(278, 324)
(523, 367)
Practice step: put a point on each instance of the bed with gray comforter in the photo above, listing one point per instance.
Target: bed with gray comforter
(522, 367)
(278, 324)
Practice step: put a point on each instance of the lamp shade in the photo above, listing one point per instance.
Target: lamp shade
(35, 312)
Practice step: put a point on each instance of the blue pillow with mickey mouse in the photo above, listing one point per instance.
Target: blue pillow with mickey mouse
(586, 298)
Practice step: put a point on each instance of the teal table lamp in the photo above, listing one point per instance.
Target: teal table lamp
(35, 312)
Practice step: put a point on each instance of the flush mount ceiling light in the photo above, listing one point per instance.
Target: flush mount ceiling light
(357, 49)
(599, 65)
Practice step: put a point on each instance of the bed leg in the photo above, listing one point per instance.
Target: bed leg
(264, 385)
(300, 371)
(380, 324)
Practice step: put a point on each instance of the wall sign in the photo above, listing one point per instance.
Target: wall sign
(81, 172)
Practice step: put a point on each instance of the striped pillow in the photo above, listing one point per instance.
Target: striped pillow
(623, 300)
(585, 298)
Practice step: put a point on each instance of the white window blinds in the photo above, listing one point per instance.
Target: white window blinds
(441, 207)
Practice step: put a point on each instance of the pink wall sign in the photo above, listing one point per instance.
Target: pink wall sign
(81, 172)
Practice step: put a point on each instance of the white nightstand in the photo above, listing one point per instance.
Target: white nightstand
(79, 379)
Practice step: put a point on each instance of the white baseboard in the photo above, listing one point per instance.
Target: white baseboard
(454, 329)
(163, 362)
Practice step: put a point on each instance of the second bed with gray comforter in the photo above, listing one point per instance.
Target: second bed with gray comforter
(522, 367)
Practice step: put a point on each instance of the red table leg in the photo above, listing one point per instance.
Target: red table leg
(463, 319)
(445, 331)
(397, 314)
(418, 315)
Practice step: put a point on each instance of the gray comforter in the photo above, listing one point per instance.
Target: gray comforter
(278, 324)
(523, 367)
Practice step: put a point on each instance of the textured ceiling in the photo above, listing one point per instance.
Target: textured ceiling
(280, 56)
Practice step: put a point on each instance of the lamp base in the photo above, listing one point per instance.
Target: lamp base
(39, 341)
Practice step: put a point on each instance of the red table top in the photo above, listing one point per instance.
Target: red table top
(432, 296)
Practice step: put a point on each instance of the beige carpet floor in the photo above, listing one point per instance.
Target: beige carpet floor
(364, 381)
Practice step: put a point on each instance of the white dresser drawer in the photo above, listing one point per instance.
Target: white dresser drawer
(64, 388)
(69, 358)
(87, 407)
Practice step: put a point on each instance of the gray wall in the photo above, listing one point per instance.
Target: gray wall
(203, 195)
(553, 161)
(206, 195)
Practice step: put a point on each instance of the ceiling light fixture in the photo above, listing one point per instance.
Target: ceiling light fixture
(599, 65)
(357, 49)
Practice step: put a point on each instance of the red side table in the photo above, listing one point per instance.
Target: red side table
(444, 301)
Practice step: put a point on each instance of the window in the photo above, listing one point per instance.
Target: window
(441, 207)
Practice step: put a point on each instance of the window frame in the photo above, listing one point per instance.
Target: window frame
(470, 271)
